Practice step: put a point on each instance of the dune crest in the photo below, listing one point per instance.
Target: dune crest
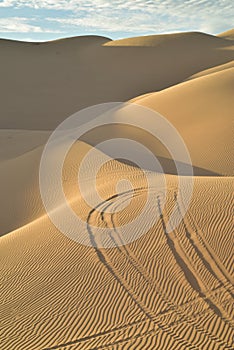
(80, 72)
(175, 39)
(229, 34)
(200, 110)
(215, 69)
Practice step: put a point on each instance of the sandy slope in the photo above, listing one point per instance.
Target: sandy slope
(20, 189)
(200, 109)
(159, 292)
(51, 81)
(177, 40)
(215, 69)
(14, 143)
(163, 291)
(229, 34)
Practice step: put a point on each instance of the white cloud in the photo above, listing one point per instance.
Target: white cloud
(135, 15)
(20, 25)
(17, 24)
(137, 24)
(172, 6)
(148, 16)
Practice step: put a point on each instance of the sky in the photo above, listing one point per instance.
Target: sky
(41, 20)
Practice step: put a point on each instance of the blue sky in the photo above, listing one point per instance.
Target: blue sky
(39, 20)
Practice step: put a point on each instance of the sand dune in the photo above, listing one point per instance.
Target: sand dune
(164, 290)
(14, 143)
(80, 72)
(215, 69)
(200, 109)
(229, 34)
(159, 292)
(20, 190)
(177, 40)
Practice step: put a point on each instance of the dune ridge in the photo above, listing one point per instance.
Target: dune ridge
(79, 72)
(229, 34)
(187, 38)
(213, 70)
(192, 107)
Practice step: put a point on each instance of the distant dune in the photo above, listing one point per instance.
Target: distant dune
(177, 40)
(229, 34)
(164, 290)
(53, 80)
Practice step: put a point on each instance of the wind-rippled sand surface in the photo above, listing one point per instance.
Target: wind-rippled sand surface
(164, 290)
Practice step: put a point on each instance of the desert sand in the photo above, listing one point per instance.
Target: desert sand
(164, 290)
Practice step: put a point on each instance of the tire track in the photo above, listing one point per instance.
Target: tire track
(135, 264)
(206, 261)
(217, 267)
(140, 269)
(103, 257)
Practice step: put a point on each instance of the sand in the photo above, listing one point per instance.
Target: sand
(51, 81)
(198, 109)
(164, 290)
(229, 34)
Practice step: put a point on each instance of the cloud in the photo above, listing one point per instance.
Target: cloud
(20, 25)
(17, 24)
(147, 16)
(137, 24)
(138, 16)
